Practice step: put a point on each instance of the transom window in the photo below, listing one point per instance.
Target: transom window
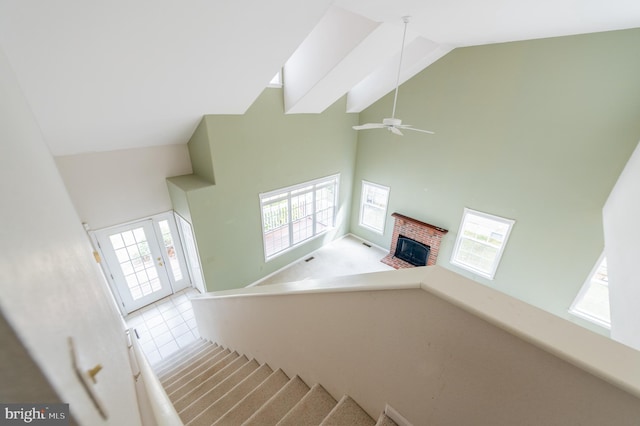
(480, 242)
(592, 302)
(373, 206)
(295, 214)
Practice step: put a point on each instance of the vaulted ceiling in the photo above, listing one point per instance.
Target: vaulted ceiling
(120, 74)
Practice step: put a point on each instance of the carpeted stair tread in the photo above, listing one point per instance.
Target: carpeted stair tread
(254, 400)
(212, 395)
(384, 420)
(348, 412)
(279, 404)
(201, 368)
(311, 409)
(193, 347)
(210, 385)
(194, 383)
(181, 359)
(232, 397)
(186, 395)
(189, 364)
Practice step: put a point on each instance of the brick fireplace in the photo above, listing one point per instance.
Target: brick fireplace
(412, 229)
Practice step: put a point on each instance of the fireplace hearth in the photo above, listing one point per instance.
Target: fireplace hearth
(413, 243)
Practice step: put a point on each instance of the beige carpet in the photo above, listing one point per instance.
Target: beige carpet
(346, 256)
(211, 385)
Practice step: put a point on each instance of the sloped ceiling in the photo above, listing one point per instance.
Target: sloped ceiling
(111, 75)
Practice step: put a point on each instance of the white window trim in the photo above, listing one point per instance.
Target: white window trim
(573, 310)
(362, 205)
(491, 274)
(290, 189)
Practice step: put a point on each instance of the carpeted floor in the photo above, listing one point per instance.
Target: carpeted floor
(346, 256)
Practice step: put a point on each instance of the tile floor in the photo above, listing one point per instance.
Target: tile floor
(168, 325)
(165, 326)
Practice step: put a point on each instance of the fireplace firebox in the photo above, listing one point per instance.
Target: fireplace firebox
(411, 240)
(412, 251)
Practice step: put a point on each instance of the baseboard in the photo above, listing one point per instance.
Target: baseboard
(306, 256)
(367, 242)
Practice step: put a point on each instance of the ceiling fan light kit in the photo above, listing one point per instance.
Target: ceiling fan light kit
(393, 124)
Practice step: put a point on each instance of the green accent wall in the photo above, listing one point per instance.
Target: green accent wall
(260, 151)
(200, 153)
(536, 131)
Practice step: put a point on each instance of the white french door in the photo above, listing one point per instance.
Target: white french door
(144, 260)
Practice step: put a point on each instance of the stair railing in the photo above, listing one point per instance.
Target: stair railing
(151, 394)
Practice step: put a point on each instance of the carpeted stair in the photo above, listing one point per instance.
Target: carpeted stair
(211, 385)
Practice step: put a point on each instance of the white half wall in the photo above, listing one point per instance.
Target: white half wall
(437, 347)
(51, 288)
(621, 217)
(109, 188)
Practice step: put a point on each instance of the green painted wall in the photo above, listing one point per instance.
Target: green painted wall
(536, 131)
(181, 189)
(200, 153)
(260, 151)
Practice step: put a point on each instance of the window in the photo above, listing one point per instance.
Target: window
(297, 213)
(373, 206)
(592, 302)
(480, 243)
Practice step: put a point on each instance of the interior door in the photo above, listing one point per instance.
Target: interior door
(136, 263)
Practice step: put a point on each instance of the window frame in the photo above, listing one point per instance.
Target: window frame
(363, 204)
(586, 287)
(460, 237)
(295, 191)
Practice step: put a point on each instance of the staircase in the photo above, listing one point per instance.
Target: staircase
(211, 385)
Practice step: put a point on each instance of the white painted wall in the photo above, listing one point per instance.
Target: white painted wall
(323, 49)
(109, 188)
(51, 288)
(621, 217)
(436, 346)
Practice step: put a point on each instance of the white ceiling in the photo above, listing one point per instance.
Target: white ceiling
(122, 74)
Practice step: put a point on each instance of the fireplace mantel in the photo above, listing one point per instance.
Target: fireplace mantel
(418, 222)
(417, 230)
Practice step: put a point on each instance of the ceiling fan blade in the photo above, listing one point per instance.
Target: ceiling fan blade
(395, 131)
(419, 130)
(369, 126)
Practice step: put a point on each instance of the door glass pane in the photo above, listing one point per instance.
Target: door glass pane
(122, 255)
(128, 238)
(127, 267)
(168, 242)
(116, 241)
(135, 261)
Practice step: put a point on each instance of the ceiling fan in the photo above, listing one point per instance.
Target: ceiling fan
(393, 124)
